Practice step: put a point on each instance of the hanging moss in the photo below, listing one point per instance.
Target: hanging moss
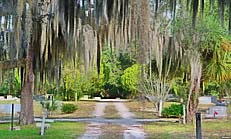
(77, 31)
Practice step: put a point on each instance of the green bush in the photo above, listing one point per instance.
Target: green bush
(69, 108)
(175, 110)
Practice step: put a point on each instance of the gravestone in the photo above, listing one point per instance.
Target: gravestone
(172, 98)
(85, 97)
(2, 98)
(214, 99)
(222, 103)
(9, 97)
(39, 98)
(216, 112)
(97, 98)
(205, 100)
(6, 108)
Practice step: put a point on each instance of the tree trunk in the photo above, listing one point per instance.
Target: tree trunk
(27, 111)
(192, 102)
(192, 108)
(160, 108)
(196, 73)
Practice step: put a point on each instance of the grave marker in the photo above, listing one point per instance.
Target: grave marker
(216, 112)
(205, 100)
(43, 123)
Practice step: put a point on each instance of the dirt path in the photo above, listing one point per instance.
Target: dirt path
(93, 130)
(123, 110)
(132, 131)
(124, 130)
(99, 109)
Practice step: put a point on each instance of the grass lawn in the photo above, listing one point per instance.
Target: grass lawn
(215, 129)
(144, 109)
(59, 130)
(111, 112)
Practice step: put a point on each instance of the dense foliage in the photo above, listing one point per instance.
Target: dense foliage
(174, 110)
(11, 85)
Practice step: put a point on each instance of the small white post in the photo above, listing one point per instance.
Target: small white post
(43, 123)
(184, 115)
(160, 107)
(76, 97)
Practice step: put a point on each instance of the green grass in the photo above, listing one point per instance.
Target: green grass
(59, 130)
(211, 130)
(9, 102)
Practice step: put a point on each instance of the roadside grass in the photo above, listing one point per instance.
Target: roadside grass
(111, 112)
(9, 102)
(141, 109)
(212, 129)
(59, 130)
(145, 109)
(85, 110)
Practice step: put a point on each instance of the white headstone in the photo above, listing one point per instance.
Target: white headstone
(2, 98)
(85, 97)
(97, 98)
(9, 97)
(205, 100)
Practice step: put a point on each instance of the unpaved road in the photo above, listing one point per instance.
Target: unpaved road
(132, 130)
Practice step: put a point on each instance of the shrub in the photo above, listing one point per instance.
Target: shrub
(130, 79)
(175, 110)
(69, 108)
